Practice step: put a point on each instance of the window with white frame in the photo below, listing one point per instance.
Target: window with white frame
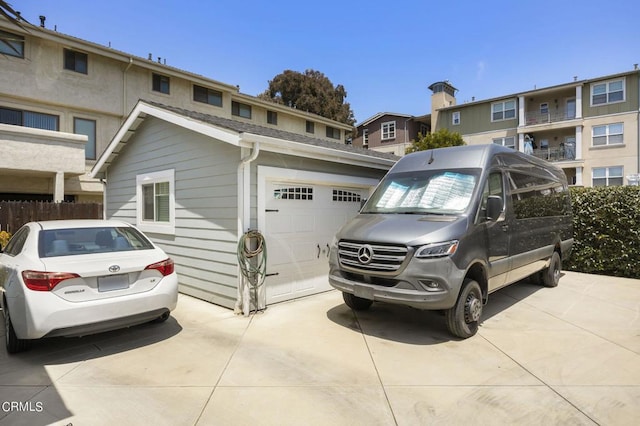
(608, 134)
(607, 176)
(509, 142)
(505, 110)
(544, 108)
(455, 118)
(388, 130)
(155, 209)
(607, 92)
(365, 138)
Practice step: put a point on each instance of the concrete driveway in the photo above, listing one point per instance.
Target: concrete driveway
(569, 355)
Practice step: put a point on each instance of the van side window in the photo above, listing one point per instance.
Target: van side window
(535, 196)
(493, 186)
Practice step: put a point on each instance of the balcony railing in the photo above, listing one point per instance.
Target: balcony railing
(562, 114)
(556, 153)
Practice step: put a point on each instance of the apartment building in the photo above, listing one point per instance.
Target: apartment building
(590, 128)
(62, 100)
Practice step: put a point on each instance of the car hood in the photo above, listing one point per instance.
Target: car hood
(405, 229)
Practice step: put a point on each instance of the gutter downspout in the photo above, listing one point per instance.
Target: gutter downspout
(124, 88)
(243, 299)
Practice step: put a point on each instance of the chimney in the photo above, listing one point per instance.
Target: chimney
(42, 19)
(635, 67)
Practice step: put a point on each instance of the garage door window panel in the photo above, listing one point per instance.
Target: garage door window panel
(293, 193)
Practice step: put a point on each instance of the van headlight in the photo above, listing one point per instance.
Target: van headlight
(437, 249)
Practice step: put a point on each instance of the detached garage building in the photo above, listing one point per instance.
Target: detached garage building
(195, 183)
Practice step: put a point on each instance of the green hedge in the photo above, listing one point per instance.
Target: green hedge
(606, 231)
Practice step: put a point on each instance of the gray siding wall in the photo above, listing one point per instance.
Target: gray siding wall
(205, 241)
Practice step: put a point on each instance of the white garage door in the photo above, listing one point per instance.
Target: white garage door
(300, 222)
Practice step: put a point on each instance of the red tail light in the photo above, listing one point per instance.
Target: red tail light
(45, 281)
(166, 267)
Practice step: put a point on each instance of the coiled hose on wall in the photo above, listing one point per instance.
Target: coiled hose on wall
(252, 258)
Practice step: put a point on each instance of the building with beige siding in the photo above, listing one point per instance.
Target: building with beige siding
(587, 127)
(62, 99)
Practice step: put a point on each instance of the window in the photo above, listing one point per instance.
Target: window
(11, 44)
(311, 128)
(388, 130)
(32, 119)
(82, 126)
(76, 61)
(160, 83)
(455, 118)
(293, 193)
(544, 108)
(272, 117)
(509, 142)
(365, 138)
(341, 195)
(503, 110)
(607, 176)
(537, 196)
(16, 243)
(493, 186)
(155, 209)
(607, 92)
(241, 110)
(74, 241)
(333, 133)
(207, 96)
(609, 134)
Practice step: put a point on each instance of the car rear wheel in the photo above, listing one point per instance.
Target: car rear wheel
(550, 277)
(14, 345)
(463, 319)
(356, 303)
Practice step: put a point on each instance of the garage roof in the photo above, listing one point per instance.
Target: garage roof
(241, 134)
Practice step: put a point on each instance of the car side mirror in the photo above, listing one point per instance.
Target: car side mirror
(362, 203)
(494, 207)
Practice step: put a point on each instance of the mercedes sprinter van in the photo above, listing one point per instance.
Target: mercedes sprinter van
(447, 227)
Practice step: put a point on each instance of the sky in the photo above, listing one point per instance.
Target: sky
(385, 54)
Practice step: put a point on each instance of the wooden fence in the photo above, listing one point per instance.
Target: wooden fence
(14, 214)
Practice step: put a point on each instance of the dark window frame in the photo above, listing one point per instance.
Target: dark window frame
(91, 141)
(272, 117)
(76, 61)
(11, 44)
(241, 110)
(310, 127)
(160, 83)
(207, 96)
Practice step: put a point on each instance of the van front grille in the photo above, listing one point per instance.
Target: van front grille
(371, 257)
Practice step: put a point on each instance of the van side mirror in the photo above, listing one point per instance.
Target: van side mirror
(362, 203)
(494, 207)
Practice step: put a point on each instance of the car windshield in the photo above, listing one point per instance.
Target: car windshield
(74, 241)
(424, 192)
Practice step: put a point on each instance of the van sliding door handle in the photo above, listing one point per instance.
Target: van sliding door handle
(319, 250)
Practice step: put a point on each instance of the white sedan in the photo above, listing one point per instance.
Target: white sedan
(80, 277)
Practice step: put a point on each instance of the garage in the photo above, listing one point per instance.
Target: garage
(215, 179)
(301, 212)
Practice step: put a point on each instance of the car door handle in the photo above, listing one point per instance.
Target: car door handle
(319, 250)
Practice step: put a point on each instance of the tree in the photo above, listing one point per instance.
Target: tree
(439, 139)
(310, 91)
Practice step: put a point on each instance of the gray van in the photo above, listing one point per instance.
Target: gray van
(447, 227)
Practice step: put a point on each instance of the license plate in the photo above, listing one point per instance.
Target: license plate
(363, 291)
(113, 282)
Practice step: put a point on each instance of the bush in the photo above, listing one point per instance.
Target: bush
(4, 238)
(606, 232)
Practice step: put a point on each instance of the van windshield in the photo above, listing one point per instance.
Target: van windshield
(424, 192)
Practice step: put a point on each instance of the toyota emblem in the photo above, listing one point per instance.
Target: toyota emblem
(114, 268)
(365, 254)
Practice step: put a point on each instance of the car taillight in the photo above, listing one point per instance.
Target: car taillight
(165, 267)
(45, 281)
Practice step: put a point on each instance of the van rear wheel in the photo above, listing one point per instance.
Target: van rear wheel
(463, 319)
(356, 303)
(550, 277)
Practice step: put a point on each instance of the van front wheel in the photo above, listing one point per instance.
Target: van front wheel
(463, 319)
(356, 303)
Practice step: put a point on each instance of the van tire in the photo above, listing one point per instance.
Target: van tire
(14, 345)
(356, 303)
(463, 319)
(550, 276)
